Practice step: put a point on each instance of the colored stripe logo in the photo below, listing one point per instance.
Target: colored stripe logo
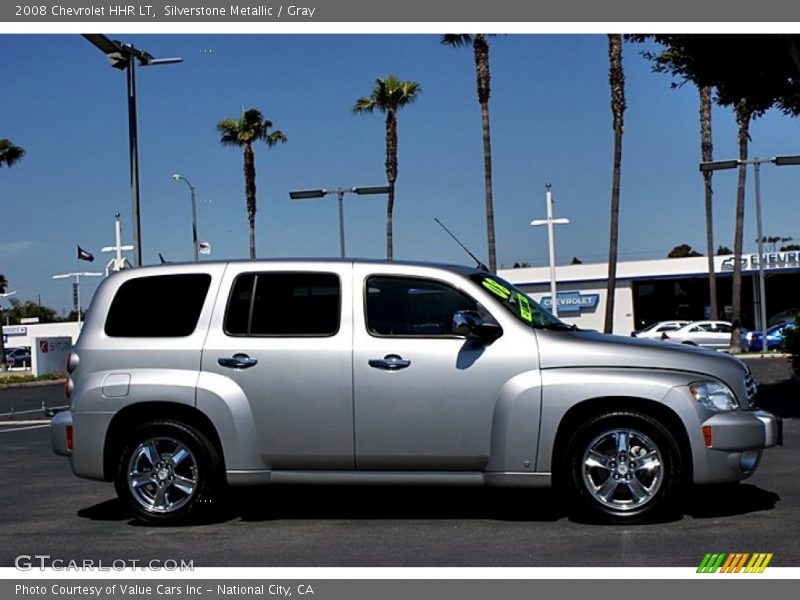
(736, 562)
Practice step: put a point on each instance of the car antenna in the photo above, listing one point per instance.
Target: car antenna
(481, 266)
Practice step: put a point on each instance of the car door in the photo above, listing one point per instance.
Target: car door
(425, 399)
(282, 338)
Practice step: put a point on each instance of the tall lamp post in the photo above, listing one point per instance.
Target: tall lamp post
(76, 286)
(339, 192)
(124, 57)
(718, 165)
(179, 177)
(550, 221)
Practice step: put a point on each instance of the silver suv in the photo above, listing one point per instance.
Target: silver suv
(190, 377)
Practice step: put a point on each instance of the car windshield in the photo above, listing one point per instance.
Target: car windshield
(518, 303)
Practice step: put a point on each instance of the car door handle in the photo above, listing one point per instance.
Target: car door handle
(237, 361)
(390, 362)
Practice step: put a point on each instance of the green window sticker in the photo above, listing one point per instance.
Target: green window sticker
(496, 288)
(524, 307)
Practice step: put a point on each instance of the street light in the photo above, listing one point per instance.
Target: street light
(121, 56)
(340, 192)
(76, 287)
(179, 177)
(550, 221)
(780, 161)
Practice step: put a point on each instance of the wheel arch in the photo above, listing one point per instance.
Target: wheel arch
(135, 415)
(588, 408)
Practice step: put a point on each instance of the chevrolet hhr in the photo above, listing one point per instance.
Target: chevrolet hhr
(188, 378)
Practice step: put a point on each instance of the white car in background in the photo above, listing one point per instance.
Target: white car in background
(715, 335)
(655, 330)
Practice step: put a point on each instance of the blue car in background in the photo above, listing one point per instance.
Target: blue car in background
(755, 339)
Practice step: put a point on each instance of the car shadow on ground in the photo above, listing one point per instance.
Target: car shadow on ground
(282, 503)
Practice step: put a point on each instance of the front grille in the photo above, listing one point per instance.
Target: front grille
(750, 385)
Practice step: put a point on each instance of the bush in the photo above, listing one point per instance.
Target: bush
(791, 345)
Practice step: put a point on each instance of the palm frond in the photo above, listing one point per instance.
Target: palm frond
(457, 40)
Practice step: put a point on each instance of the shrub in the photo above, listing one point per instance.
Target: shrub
(791, 345)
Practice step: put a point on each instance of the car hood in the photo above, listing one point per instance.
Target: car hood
(569, 349)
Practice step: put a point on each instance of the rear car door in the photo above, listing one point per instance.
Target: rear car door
(282, 336)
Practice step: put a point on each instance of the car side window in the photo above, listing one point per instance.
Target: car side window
(285, 304)
(406, 306)
(724, 328)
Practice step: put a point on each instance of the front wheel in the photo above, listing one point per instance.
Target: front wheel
(623, 467)
(168, 472)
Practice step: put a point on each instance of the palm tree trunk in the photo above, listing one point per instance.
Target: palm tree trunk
(743, 116)
(707, 152)
(616, 79)
(481, 48)
(250, 195)
(391, 177)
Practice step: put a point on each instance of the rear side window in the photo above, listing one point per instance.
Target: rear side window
(284, 304)
(158, 306)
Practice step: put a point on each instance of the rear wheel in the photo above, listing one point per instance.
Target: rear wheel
(623, 467)
(168, 472)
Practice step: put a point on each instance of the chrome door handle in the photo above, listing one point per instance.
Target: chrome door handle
(390, 362)
(237, 361)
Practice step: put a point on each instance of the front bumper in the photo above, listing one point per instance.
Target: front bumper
(733, 443)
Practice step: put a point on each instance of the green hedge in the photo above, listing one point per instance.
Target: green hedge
(791, 345)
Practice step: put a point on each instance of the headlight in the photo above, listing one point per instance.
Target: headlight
(713, 395)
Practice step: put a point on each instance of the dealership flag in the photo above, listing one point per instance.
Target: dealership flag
(84, 255)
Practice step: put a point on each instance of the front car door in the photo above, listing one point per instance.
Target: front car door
(425, 399)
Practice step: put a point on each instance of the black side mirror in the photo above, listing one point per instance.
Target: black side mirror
(468, 324)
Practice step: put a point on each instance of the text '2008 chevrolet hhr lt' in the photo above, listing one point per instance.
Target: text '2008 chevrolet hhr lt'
(188, 378)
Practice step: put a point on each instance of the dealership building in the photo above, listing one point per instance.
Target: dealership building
(660, 290)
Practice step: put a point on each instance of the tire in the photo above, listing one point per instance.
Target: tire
(168, 473)
(623, 467)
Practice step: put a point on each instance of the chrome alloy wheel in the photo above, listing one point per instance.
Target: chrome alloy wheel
(622, 469)
(162, 475)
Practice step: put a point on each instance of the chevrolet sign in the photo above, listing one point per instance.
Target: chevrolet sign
(572, 302)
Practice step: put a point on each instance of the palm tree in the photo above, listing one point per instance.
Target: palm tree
(9, 153)
(480, 48)
(389, 95)
(744, 115)
(616, 78)
(250, 127)
(707, 153)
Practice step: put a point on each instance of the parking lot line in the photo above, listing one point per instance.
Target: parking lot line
(24, 428)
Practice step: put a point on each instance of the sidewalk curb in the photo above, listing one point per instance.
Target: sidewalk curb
(24, 384)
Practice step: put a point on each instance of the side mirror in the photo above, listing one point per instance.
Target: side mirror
(468, 324)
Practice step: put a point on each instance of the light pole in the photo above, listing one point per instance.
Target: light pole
(340, 192)
(179, 177)
(550, 221)
(77, 288)
(718, 165)
(121, 56)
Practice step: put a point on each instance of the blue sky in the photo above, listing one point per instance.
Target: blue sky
(550, 121)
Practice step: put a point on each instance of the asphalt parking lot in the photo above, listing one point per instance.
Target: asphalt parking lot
(46, 510)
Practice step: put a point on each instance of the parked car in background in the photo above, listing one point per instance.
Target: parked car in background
(785, 316)
(654, 330)
(754, 340)
(706, 334)
(18, 358)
